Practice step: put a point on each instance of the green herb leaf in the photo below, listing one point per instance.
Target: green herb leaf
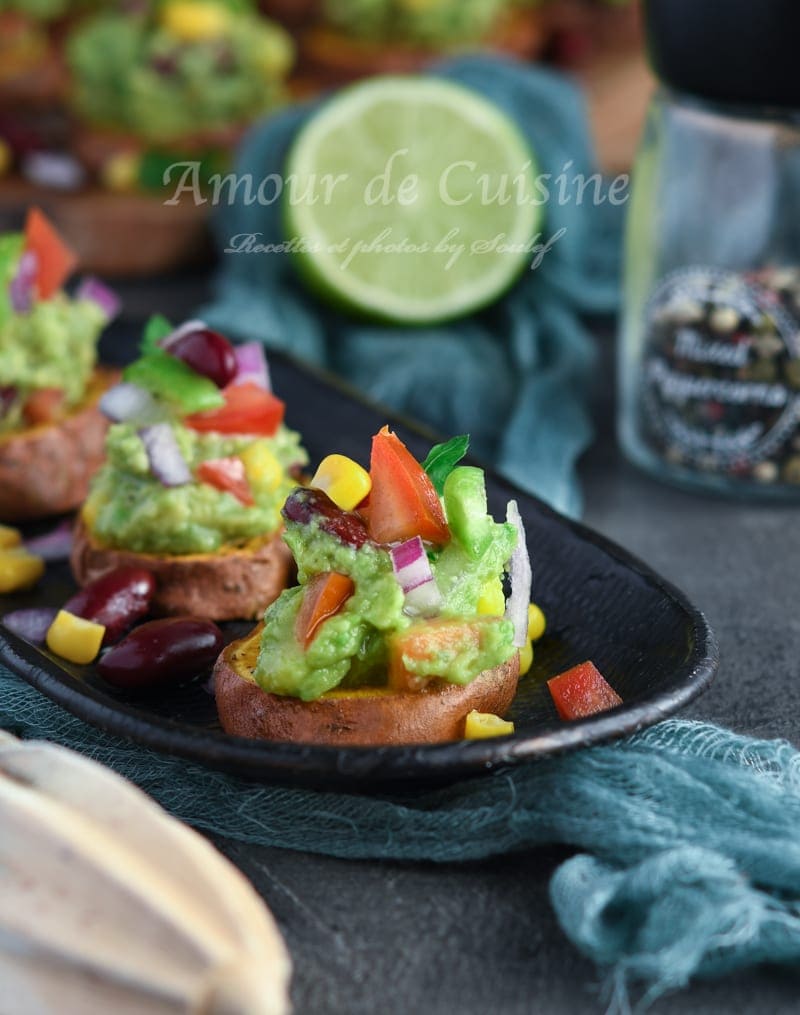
(443, 458)
(157, 327)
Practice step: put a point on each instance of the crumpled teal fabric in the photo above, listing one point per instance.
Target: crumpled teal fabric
(514, 376)
(691, 834)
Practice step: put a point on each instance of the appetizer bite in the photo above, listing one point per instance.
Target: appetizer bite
(198, 466)
(164, 80)
(399, 627)
(51, 430)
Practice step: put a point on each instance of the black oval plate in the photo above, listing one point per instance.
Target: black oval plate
(653, 646)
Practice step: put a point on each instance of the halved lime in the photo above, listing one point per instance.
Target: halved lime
(411, 199)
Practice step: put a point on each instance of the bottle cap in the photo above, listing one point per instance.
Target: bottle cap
(740, 52)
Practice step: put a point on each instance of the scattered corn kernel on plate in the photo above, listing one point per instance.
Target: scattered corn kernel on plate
(650, 643)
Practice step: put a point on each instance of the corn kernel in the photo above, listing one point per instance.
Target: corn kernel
(536, 622)
(121, 172)
(481, 725)
(264, 471)
(492, 602)
(19, 569)
(193, 21)
(74, 638)
(9, 537)
(344, 481)
(525, 658)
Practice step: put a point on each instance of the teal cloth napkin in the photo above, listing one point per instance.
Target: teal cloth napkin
(514, 376)
(694, 834)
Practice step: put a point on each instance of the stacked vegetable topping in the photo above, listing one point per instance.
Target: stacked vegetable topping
(48, 339)
(401, 577)
(198, 456)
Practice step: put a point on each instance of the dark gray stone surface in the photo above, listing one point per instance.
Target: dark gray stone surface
(475, 938)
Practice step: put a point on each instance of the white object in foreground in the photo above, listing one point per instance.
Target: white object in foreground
(107, 904)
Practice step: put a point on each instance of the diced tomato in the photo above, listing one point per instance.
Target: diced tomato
(248, 409)
(44, 406)
(403, 502)
(582, 691)
(228, 475)
(56, 261)
(424, 643)
(323, 596)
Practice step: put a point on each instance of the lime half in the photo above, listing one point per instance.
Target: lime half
(411, 199)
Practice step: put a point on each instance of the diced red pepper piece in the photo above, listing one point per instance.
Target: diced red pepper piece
(248, 409)
(228, 475)
(582, 691)
(44, 406)
(403, 502)
(323, 597)
(56, 261)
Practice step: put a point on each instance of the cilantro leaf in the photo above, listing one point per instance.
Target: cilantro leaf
(443, 458)
(157, 327)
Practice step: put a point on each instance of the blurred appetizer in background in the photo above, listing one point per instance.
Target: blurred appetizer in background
(51, 429)
(171, 79)
(357, 37)
(198, 466)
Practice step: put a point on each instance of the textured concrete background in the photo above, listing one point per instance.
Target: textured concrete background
(477, 938)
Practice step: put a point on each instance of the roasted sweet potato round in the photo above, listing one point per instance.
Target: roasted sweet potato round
(45, 470)
(364, 718)
(237, 583)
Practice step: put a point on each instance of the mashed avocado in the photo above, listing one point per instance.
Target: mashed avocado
(54, 345)
(422, 22)
(161, 78)
(129, 508)
(351, 648)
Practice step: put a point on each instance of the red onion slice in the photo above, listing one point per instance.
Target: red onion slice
(251, 365)
(127, 401)
(167, 463)
(22, 285)
(95, 291)
(31, 624)
(54, 545)
(521, 579)
(412, 569)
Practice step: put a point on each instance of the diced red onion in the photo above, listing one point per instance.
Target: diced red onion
(183, 329)
(521, 579)
(251, 365)
(412, 569)
(97, 292)
(21, 287)
(31, 624)
(54, 545)
(58, 170)
(126, 401)
(167, 463)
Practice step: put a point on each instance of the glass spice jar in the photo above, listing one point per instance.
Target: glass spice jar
(710, 336)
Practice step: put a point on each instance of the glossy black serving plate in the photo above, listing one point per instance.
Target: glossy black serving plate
(653, 646)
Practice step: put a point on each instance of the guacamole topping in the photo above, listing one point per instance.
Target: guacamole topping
(178, 67)
(128, 507)
(376, 637)
(422, 22)
(48, 339)
(198, 458)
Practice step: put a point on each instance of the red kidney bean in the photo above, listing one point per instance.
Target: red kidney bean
(207, 352)
(162, 652)
(117, 600)
(304, 505)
